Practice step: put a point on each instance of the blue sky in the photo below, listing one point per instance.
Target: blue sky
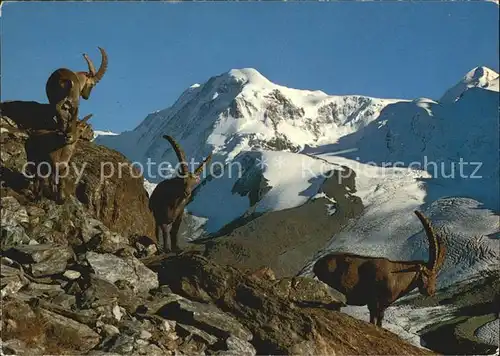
(156, 50)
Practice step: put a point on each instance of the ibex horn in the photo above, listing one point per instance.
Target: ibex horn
(86, 118)
(104, 65)
(433, 241)
(179, 152)
(90, 64)
(199, 169)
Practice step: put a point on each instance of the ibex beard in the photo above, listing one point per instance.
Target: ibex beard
(376, 281)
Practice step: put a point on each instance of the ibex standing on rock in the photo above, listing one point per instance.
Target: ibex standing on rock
(169, 198)
(377, 282)
(64, 88)
(49, 153)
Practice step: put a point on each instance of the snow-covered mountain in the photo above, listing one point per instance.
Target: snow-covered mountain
(455, 139)
(242, 110)
(479, 77)
(274, 147)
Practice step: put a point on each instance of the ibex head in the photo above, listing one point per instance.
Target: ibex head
(429, 271)
(76, 129)
(91, 78)
(190, 178)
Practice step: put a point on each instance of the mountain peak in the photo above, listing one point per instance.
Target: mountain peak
(248, 75)
(480, 73)
(478, 77)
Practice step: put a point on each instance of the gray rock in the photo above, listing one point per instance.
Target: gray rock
(237, 346)
(40, 289)
(34, 211)
(19, 347)
(12, 278)
(184, 329)
(97, 234)
(71, 275)
(117, 313)
(123, 344)
(205, 316)
(113, 268)
(153, 350)
(145, 335)
(13, 218)
(45, 259)
(308, 290)
(84, 338)
(99, 292)
(48, 268)
(110, 330)
(65, 300)
(11, 285)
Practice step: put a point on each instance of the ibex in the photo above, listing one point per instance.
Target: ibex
(169, 198)
(64, 88)
(377, 282)
(48, 154)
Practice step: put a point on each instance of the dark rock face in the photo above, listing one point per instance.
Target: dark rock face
(120, 201)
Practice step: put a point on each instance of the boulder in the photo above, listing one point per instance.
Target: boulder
(43, 259)
(112, 268)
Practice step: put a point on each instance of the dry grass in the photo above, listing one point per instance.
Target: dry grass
(37, 332)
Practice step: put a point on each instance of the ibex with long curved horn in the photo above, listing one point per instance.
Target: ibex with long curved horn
(49, 152)
(377, 282)
(169, 198)
(64, 88)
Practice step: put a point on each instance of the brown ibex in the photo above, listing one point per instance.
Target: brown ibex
(169, 198)
(376, 281)
(64, 88)
(48, 154)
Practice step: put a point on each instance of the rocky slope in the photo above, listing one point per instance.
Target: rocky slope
(100, 178)
(97, 303)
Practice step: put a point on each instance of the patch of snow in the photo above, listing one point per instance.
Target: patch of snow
(330, 208)
(288, 187)
(149, 186)
(98, 133)
(489, 332)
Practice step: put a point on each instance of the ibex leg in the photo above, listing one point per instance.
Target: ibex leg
(173, 233)
(380, 316)
(373, 313)
(60, 179)
(165, 236)
(37, 188)
(159, 237)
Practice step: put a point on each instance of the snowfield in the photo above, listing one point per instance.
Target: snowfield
(279, 180)
(439, 156)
